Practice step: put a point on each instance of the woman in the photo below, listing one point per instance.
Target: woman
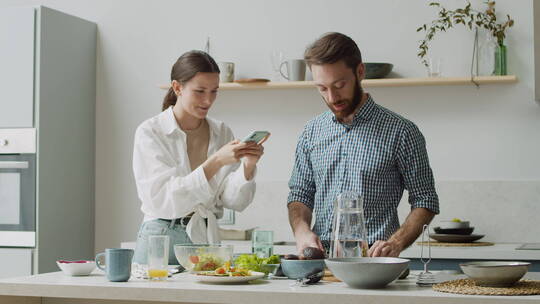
(187, 166)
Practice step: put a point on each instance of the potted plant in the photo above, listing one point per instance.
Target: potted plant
(473, 20)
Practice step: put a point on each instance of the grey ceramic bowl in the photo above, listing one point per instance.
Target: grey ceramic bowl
(299, 269)
(495, 273)
(367, 272)
(377, 69)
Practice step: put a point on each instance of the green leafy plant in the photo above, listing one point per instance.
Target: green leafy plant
(467, 17)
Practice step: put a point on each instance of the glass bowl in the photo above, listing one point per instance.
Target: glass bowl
(202, 257)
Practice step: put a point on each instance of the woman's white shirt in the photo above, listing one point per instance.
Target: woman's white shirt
(167, 187)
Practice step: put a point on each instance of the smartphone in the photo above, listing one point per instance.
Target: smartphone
(255, 136)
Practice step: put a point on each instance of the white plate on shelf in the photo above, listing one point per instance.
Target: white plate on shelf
(226, 279)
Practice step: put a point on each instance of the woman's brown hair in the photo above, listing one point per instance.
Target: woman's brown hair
(331, 48)
(185, 68)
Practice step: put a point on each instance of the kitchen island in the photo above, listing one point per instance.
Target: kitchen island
(182, 288)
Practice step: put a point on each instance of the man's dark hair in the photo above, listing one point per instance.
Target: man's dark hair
(331, 48)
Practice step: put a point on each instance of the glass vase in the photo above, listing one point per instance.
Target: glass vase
(486, 54)
(500, 60)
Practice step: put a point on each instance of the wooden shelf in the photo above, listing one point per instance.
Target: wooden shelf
(373, 83)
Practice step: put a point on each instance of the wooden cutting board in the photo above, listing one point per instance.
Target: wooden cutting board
(329, 277)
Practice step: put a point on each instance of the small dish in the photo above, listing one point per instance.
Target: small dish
(455, 238)
(76, 268)
(495, 273)
(461, 231)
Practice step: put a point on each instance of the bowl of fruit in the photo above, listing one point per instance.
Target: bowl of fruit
(310, 264)
(202, 257)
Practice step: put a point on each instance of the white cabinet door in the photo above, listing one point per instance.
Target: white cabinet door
(15, 262)
(17, 67)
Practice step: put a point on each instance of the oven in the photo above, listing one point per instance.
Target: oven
(17, 188)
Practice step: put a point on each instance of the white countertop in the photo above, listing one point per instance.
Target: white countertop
(499, 251)
(182, 288)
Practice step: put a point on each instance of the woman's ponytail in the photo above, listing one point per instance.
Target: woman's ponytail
(169, 100)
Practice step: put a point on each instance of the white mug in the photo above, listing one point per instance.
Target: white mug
(296, 69)
(226, 71)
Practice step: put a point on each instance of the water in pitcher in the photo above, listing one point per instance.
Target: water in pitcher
(348, 229)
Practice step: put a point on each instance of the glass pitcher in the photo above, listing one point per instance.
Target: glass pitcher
(349, 236)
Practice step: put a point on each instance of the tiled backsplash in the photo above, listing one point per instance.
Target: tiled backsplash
(505, 211)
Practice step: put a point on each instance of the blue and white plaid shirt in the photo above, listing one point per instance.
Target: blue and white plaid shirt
(378, 155)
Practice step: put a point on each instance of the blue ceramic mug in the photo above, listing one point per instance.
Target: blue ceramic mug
(117, 263)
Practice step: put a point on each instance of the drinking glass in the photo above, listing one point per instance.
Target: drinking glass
(276, 58)
(158, 257)
(263, 243)
(434, 67)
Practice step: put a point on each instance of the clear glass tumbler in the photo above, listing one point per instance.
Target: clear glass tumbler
(434, 67)
(276, 58)
(158, 257)
(263, 243)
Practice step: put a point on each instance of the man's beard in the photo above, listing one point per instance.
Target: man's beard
(351, 104)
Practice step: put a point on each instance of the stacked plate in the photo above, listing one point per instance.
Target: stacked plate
(455, 232)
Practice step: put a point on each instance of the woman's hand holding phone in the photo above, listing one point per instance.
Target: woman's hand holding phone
(230, 153)
(252, 153)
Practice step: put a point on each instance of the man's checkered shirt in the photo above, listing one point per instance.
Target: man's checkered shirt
(378, 155)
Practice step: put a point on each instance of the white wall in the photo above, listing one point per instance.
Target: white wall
(483, 143)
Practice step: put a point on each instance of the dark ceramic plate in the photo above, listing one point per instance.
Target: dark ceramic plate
(461, 231)
(456, 238)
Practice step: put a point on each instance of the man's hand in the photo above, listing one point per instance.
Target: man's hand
(384, 249)
(307, 239)
(300, 219)
(404, 236)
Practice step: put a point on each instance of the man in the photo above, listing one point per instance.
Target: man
(357, 146)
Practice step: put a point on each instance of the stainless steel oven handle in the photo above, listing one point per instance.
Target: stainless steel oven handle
(13, 165)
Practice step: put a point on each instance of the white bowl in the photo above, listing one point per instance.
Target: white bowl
(454, 225)
(495, 273)
(77, 268)
(367, 272)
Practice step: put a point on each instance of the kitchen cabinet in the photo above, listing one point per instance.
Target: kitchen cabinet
(536, 33)
(17, 67)
(15, 262)
(47, 81)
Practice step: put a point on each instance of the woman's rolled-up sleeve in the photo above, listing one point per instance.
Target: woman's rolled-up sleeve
(236, 192)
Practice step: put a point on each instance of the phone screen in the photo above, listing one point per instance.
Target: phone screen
(255, 136)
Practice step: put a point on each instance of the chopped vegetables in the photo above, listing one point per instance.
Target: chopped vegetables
(255, 263)
(227, 271)
(206, 262)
